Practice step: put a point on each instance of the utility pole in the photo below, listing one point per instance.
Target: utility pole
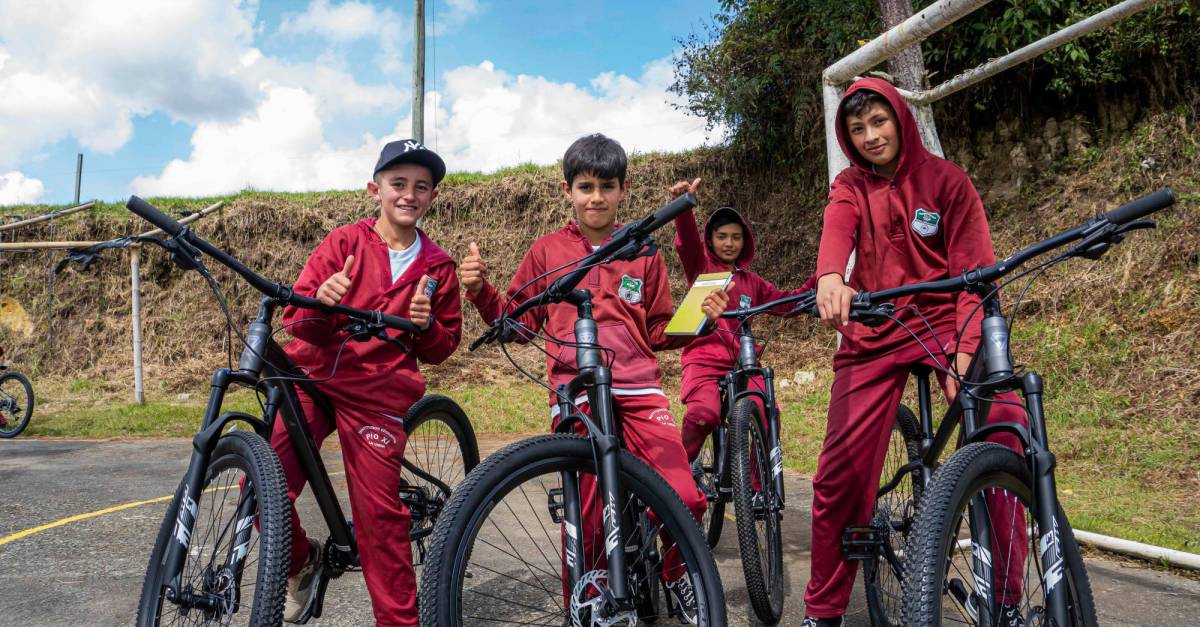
(418, 87)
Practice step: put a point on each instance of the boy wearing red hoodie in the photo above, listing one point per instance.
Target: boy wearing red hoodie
(727, 246)
(384, 263)
(912, 217)
(631, 304)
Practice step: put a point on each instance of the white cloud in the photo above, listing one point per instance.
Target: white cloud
(460, 11)
(486, 119)
(18, 189)
(280, 146)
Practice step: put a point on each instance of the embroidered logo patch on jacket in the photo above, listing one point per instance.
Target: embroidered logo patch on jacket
(926, 223)
(744, 301)
(630, 290)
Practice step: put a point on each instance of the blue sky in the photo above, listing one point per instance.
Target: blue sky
(197, 98)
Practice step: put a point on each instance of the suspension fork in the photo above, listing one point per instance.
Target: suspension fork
(1045, 500)
(203, 444)
(773, 437)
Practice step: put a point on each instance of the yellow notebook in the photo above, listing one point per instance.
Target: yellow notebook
(689, 319)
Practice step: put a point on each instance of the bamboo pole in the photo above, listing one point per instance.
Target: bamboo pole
(32, 246)
(49, 216)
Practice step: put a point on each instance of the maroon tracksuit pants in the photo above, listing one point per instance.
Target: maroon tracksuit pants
(862, 409)
(372, 448)
(649, 433)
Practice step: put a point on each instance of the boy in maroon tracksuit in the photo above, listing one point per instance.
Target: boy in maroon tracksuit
(728, 246)
(384, 263)
(631, 304)
(912, 217)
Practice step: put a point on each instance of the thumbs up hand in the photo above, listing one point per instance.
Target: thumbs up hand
(335, 287)
(419, 308)
(473, 271)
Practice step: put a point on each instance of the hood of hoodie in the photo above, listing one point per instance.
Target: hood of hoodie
(912, 151)
(747, 254)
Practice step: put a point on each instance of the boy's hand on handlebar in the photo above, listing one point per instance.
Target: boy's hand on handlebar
(335, 287)
(682, 187)
(420, 310)
(833, 300)
(472, 272)
(715, 303)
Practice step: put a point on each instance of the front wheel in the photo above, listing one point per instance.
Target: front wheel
(16, 404)
(757, 508)
(974, 552)
(497, 551)
(234, 571)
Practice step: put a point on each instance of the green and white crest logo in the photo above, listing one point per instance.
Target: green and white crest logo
(744, 301)
(630, 290)
(926, 223)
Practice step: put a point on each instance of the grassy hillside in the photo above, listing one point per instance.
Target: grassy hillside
(1117, 340)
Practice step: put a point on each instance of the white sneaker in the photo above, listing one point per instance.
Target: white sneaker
(302, 588)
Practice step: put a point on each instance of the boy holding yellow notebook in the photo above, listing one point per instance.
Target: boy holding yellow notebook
(727, 247)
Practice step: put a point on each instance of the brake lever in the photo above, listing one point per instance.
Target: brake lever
(873, 315)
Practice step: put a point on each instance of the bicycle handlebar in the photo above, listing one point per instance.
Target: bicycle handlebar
(626, 243)
(153, 215)
(1103, 228)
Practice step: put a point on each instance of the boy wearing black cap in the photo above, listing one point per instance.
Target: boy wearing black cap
(389, 264)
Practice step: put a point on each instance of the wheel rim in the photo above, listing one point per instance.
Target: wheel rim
(15, 404)
(892, 521)
(767, 523)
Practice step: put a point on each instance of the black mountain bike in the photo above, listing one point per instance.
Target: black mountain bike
(743, 463)
(963, 560)
(222, 553)
(512, 546)
(16, 402)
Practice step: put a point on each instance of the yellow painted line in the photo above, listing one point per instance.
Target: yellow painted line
(730, 517)
(78, 517)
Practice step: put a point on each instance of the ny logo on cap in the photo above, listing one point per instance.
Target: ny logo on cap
(411, 145)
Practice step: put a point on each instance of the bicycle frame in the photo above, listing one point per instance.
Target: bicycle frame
(281, 400)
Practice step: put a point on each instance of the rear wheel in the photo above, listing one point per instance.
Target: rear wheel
(892, 521)
(234, 571)
(441, 450)
(16, 404)
(710, 482)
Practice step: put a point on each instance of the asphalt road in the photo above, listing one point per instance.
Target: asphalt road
(87, 570)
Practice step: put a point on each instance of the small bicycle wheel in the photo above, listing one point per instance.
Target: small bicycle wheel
(497, 551)
(975, 549)
(16, 404)
(757, 509)
(892, 521)
(706, 471)
(441, 450)
(234, 571)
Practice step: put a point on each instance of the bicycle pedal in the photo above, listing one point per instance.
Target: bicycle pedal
(860, 543)
(554, 501)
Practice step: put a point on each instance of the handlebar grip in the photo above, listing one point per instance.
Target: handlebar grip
(1143, 206)
(154, 216)
(667, 212)
(400, 324)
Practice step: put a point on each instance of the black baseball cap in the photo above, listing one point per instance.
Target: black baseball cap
(411, 151)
